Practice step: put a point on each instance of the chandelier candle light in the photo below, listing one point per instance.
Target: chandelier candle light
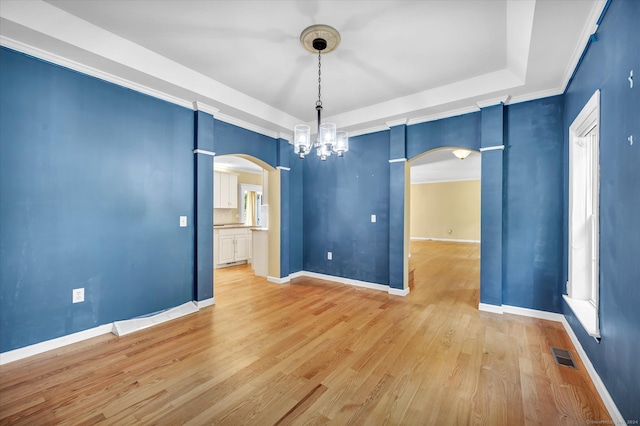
(320, 39)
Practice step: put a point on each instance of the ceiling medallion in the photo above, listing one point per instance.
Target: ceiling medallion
(320, 39)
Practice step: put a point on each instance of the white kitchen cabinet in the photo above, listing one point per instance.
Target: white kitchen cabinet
(241, 252)
(225, 194)
(227, 247)
(231, 246)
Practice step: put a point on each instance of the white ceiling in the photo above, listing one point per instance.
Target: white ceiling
(443, 166)
(231, 162)
(242, 60)
(413, 60)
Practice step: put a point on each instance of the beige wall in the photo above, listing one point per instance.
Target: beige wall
(274, 222)
(439, 207)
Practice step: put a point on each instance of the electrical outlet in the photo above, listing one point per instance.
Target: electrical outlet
(183, 221)
(78, 295)
(329, 255)
(373, 218)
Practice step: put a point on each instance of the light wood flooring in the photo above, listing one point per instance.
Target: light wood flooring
(316, 352)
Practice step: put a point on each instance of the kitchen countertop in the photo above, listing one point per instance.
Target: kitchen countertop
(233, 225)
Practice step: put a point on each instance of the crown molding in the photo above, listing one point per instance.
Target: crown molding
(246, 125)
(398, 122)
(375, 129)
(495, 101)
(590, 28)
(93, 72)
(199, 106)
(446, 114)
(90, 71)
(537, 95)
(286, 136)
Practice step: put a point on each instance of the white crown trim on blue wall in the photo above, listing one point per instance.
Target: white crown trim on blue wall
(204, 151)
(199, 106)
(398, 160)
(492, 148)
(398, 122)
(76, 66)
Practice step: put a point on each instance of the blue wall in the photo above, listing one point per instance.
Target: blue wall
(533, 205)
(340, 195)
(462, 131)
(492, 132)
(203, 163)
(606, 66)
(230, 139)
(93, 178)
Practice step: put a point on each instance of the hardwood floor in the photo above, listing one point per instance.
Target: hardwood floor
(315, 352)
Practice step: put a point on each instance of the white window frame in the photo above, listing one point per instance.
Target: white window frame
(241, 190)
(583, 285)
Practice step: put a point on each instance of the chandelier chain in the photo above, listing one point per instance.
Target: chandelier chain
(319, 102)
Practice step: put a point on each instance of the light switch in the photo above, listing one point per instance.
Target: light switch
(183, 221)
(329, 255)
(373, 218)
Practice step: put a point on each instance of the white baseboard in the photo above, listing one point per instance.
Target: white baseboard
(451, 240)
(296, 275)
(59, 342)
(204, 303)
(533, 313)
(349, 281)
(283, 280)
(47, 345)
(399, 291)
(615, 414)
(485, 307)
(122, 328)
(552, 316)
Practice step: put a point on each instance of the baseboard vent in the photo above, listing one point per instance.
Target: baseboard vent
(563, 357)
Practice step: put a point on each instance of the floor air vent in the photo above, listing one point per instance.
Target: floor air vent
(563, 357)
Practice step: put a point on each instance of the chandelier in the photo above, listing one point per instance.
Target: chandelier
(320, 39)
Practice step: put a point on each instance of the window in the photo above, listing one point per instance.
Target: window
(250, 211)
(584, 186)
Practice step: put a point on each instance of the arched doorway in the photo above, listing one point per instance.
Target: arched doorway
(444, 226)
(263, 180)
